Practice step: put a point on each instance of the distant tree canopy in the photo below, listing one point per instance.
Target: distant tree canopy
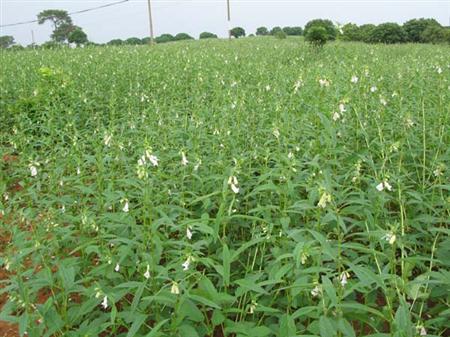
(78, 37)
(435, 34)
(388, 32)
(164, 38)
(416, 27)
(275, 29)
(61, 21)
(237, 32)
(261, 31)
(331, 31)
(115, 42)
(134, 41)
(182, 36)
(293, 31)
(207, 35)
(6, 41)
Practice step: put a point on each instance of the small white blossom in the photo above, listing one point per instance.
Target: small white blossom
(276, 133)
(153, 160)
(78, 171)
(354, 79)
(324, 200)
(316, 291)
(187, 263)
(423, 331)
(174, 289)
(147, 272)
(336, 116)
(117, 268)
(439, 70)
(390, 237)
(324, 83)
(383, 101)
(267, 87)
(125, 207)
(344, 278)
(189, 232)
(342, 107)
(384, 185)
(33, 171)
(233, 182)
(373, 89)
(105, 302)
(184, 160)
(107, 139)
(252, 307)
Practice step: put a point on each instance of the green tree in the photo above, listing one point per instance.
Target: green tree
(317, 35)
(351, 32)
(78, 37)
(275, 29)
(164, 38)
(237, 32)
(61, 21)
(207, 35)
(133, 41)
(388, 32)
(262, 31)
(434, 34)
(6, 41)
(326, 24)
(293, 31)
(115, 42)
(365, 32)
(414, 28)
(182, 36)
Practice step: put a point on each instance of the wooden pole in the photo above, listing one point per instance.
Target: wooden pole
(152, 38)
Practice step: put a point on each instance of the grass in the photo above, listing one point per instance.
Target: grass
(296, 193)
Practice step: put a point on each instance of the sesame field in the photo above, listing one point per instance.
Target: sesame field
(250, 188)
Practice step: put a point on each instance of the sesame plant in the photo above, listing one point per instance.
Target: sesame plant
(223, 188)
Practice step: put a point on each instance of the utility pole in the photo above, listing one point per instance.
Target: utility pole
(229, 19)
(152, 38)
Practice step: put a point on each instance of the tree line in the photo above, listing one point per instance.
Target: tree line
(317, 31)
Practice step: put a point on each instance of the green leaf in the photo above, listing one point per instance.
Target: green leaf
(137, 323)
(226, 262)
(156, 328)
(326, 327)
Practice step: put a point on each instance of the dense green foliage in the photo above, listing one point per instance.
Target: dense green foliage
(414, 28)
(226, 189)
(163, 38)
(78, 37)
(182, 36)
(294, 31)
(317, 35)
(331, 31)
(6, 41)
(237, 32)
(262, 31)
(388, 32)
(207, 35)
(61, 21)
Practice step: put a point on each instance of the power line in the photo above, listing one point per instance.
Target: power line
(71, 13)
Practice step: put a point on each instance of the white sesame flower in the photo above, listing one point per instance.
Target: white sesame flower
(354, 79)
(117, 268)
(187, 263)
(125, 207)
(298, 85)
(276, 133)
(423, 332)
(78, 171)
(316, 291)
(267, 87)
(105, 302)
(344, 278)
(107, 139)
(342, 107)
(324, 83)
(383, 101)
(373, 89)
(233, 182)
(252, 307)
(290, 155)
(189, 232)
(439, 70)
(174, 289)
(153, 160)
(33, 171)
(197, 165)
(324, 200)
(184, 160)
(336, 116)
(147, 272)
(384, 185)
(409, 123)
(390, 237)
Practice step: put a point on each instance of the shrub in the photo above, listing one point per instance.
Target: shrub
(78, 37)
(6, 41)
(207, 35)
(237, 32)
(133, 41)
(388, 33)
(329, 27)
(365, 32)
(414, 28)
(351, 32)
(317, 36)
(261, 31)
(280, 35)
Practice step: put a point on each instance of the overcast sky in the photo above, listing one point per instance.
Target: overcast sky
(194, 16)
